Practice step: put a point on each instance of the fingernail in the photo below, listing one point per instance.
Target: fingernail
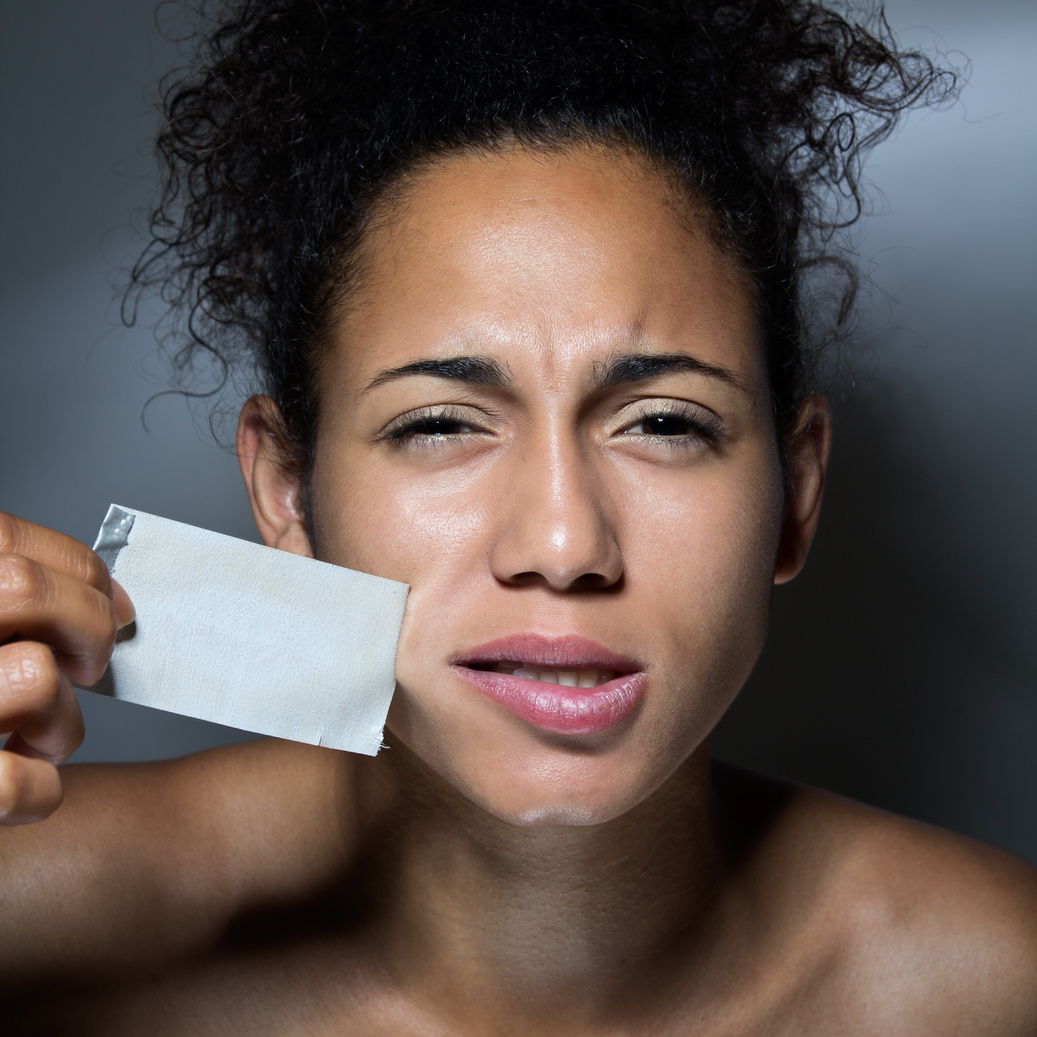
(125, 613)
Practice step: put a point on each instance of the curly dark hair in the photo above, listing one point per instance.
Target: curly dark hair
(296, 117)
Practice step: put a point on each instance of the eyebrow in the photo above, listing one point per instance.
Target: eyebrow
(619, 370)
(475, 370)
(640, 367)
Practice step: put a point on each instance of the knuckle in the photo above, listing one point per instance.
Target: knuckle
(29, 673)
(21, 581)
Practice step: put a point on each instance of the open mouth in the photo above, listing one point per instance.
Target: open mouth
(591, 677)
(563, 684)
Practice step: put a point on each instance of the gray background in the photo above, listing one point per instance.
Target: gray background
(901, 666)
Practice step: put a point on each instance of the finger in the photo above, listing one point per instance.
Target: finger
(125, 613)
(37, 703)
(42, 604)
(30, 790)
(54, 550)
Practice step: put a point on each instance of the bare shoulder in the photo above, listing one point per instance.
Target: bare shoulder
(926, 930)
(147, 860)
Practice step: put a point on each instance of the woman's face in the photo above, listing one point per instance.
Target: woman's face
(547, 411)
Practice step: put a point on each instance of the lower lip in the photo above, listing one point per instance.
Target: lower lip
(557, 707)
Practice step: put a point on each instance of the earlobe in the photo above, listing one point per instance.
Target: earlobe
(807, 448)
(273, 491)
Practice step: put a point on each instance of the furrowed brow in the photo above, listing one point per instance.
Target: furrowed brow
(475, 370)
(640, 367)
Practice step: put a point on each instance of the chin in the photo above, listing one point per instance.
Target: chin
(549, 811)
(535, 784)
(569, 815)
(561, 790)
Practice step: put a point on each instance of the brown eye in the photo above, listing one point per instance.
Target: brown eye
(428, 427)
(665, 425)
(679, 425)
(437, 427)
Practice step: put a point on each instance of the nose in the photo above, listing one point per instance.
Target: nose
(552, 523)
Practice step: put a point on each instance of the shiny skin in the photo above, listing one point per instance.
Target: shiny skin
(547, 505)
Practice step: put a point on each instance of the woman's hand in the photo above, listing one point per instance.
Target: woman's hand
(59, 613)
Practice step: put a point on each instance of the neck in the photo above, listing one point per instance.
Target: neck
(537, 916)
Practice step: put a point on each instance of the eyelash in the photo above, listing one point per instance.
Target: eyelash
(703, 427)
(417, 428)
(414, 428)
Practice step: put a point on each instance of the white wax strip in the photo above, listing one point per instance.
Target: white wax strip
(251, 637)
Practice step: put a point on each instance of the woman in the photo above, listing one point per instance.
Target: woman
(532, 339)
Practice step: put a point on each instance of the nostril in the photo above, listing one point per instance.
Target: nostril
(586, 582)
(596, 582)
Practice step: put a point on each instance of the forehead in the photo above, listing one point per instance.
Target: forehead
(553, 255)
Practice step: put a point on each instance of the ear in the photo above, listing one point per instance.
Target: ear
(273, 492)
(807, 447)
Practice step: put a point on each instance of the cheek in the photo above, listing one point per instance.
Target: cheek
(718, 530)
(706, 560)
(402, 526)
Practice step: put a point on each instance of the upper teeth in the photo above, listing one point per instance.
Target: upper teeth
(569, 678)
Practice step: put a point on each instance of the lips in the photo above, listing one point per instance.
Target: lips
(567, 685)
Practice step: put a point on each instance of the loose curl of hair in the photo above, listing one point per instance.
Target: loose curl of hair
(296, 118)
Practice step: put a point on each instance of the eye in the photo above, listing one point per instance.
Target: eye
(662, 425)
(675, 423)
(429, 426)
(432, 427)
